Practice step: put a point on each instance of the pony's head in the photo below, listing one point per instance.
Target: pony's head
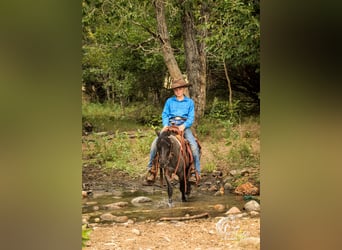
(164, 148)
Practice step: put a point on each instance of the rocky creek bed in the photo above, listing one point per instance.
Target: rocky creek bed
(115, 222)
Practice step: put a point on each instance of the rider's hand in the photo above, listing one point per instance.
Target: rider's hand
(164, 128)
(181, 127)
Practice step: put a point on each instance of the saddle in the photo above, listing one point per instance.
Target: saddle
(185, 145)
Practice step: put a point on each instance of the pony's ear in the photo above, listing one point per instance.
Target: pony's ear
(157, 132)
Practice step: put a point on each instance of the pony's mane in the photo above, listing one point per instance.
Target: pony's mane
(166, 136)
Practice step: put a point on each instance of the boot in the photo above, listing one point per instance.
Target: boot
(198, 178)
(151, 175)
(195, 178)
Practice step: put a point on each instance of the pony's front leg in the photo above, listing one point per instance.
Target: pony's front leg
(185, 190)
(161, 177)
(169, 189)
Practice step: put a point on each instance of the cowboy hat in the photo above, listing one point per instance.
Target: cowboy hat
(179, 83)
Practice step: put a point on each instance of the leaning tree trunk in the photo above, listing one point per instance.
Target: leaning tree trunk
(164, 39)
(196, 63)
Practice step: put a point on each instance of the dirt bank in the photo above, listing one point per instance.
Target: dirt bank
(197, 234)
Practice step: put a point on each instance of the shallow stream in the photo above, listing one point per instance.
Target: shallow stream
(199, 202)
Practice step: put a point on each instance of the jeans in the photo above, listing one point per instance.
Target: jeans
(193, 145)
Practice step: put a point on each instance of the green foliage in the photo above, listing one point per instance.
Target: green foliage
(149, 115)
(121, 57)
(210, 128)
(118, 49)
(85, 235)
(231, 134)
(241, 155)
(221, 110)
(240, 151)
(234, 31)
(203, 129)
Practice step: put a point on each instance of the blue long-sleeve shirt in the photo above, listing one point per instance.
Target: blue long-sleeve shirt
(174, 108)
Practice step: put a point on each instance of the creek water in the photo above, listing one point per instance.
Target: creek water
(199, 202)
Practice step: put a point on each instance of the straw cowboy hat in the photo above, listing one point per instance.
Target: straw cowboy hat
(179, 83)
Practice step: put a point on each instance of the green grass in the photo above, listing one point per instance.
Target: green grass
(120, 151)
(111, 117)
(231, 144)
(101, 110)
(209, 167)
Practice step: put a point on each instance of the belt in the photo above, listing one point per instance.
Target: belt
(178, 118)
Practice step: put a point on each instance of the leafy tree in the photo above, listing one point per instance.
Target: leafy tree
(234, 37)
(116, 45)
(124, 47)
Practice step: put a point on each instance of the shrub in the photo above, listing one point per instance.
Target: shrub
(209, 167)
(241, 155)
(85, 235)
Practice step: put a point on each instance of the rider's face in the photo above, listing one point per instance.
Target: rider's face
(178, 91)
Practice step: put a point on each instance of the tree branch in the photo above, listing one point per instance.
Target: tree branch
(204, 215)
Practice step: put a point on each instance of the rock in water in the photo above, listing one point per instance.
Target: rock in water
(140, 200)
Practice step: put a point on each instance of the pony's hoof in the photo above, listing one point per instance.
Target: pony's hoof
(186, 198)
(147, 183)
(170, 204)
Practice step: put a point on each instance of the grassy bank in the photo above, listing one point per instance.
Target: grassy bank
(227, 144)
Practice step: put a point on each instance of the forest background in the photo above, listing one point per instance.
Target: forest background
(131, 51)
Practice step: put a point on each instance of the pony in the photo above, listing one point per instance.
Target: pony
(173, 159)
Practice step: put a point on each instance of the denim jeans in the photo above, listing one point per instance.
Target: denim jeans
(193, 145)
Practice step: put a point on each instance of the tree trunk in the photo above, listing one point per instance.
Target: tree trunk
(229, 87)
(164, 38)
(108, 94)
(195, 56)
(113, 94)
(196, 62)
